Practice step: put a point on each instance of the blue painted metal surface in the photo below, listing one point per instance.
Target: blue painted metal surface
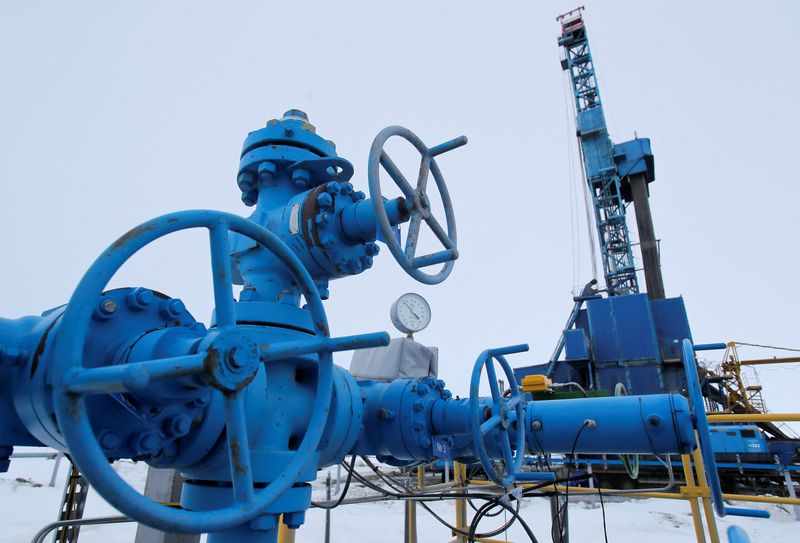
(598, 153)
(251, 407)
(737, 535)
(705, 444)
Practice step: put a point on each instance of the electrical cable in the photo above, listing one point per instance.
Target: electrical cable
(398, 485)
(602, 508)
(338, 502)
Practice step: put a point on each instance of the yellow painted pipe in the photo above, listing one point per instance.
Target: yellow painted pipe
(756, 417)
(285, 534)
(697, 520)
(706, 500)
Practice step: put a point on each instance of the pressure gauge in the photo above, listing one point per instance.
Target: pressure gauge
(410, 313)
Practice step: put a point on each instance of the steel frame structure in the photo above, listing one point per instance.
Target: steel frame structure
(597, 153)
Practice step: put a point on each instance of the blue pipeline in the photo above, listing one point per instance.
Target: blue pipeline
(417, 420)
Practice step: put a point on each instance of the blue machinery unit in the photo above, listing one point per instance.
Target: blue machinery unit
(251, 406)
(628, 337)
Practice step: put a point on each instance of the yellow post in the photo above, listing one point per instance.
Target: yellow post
(698, 520)
(460, 477)
(285, 534)
(706, 499)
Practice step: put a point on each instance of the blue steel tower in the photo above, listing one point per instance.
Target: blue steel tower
(597, 151)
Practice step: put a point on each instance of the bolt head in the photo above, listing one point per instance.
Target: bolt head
(418, 405)
(372, 249)
(294, 520)
(178, 425)
(246, 181)
(333, 187)
(301, 177)
(172, 308)
(146, 442)
(139, 298)
(264, 523)
(105, 308)
(109, 440)
(250, 197)
(324, 200)
(266, 169)
(322, 219)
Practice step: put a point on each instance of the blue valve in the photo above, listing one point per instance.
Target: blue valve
(704, 437)
(502, 420)
(226, 359)
(418, 203)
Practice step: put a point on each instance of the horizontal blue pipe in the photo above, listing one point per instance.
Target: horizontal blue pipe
(709, 346)
(511, 349)
(652, 424)
(742, 512)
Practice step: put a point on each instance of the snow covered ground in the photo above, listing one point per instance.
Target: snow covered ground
(28, 504)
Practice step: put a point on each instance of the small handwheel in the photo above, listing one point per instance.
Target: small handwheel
(418, 203)
(73, 381)
(496, 420)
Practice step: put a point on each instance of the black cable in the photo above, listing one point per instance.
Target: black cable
(602, 508)
(338, 502)
(562, 510)
(395, 484)
(497, 502)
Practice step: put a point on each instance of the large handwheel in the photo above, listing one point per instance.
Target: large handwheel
(495, 421)
(228, 363)
(697, 405)
(418, 203)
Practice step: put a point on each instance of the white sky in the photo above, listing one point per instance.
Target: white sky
(112, 113)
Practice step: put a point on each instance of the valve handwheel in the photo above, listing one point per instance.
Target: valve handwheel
(697, 404)
(234, 365)
(496, 420)
(419, 205)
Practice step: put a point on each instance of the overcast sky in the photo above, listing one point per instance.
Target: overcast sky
(112, 113)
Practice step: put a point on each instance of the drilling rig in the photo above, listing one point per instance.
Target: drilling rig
(629, 341)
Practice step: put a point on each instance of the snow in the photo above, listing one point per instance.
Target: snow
(29, 504)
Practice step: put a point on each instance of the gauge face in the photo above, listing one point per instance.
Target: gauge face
(410, 313)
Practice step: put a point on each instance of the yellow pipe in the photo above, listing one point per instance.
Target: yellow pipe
(698, 521)
(706, 500)
(763, 499)
(460, 476)
(756, 417)
(285, 534)
(675, 495)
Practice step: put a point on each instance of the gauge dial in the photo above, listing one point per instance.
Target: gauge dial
(410, 313)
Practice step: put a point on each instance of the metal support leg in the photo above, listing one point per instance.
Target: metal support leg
(688, 474)
(285, 534)
(163, 485)
(411, 510)
(59, 457)
(706, 500)
(328, 511)
(787, 477)
(560, 519)
(460, 477)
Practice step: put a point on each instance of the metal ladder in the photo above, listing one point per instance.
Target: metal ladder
(72, 504)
